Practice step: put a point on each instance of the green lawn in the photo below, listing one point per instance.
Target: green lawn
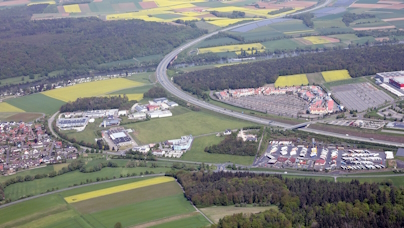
(142, 212)
(190, 222)
(36, 187)
(37, 103)
(328, 85)
(290, 26)
(197, 152)
(32, 172)
(89, 134)
(217, 42)
(189, 122)
(260, 33)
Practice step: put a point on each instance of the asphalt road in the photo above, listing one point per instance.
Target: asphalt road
(168, 85)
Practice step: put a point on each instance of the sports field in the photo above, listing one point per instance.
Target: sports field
(291, 80)
(90, 89)
(121, 188)
(335, 75)
(148, 206)
(232, 48)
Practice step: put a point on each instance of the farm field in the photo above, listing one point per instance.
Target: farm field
(315, 78)
(197, 152)
(149, 204)
(285, 44)
(37, 103)
(321, 39)
(36, 187)
(23, 116)
(186, 123)
(90, 89)
(5, 107)
(232, 48)
(217, 212)
(134, 90)
(335, 75)
(291, 80)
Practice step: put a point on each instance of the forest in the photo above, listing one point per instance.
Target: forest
(358, 61)
(351, 17)
(98, 103)
(40, 47)
(155, 92)
(302, 202)
(234, 146)
(306, 18)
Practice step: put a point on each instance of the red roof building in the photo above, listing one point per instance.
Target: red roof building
(152, 107)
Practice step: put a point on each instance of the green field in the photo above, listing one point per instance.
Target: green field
(183, 122)
(196, 221)
(328, 85)
(32, 172)
(140, 89)
(37, 103)
(146, 205)
(290, 26)
(36, 187)
(217, 42)
(197, 152)
(285, 44)
(217, 212)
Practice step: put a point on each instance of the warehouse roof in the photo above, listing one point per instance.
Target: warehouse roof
(399, 79)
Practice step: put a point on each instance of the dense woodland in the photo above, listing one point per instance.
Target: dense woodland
(358, 61)
(351, 17)
(301, 202)
(306, 18)
(234, 146)
(155, 92)
(98, 103)
(78, 43)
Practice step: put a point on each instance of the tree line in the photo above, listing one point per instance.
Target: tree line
(234, 146)
(40, 47)
(98, 103)
(348, 18)
(358, 61)
(306, 18)
(155, 92)
(302, 202)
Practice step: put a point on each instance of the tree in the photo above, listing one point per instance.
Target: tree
(118, 225)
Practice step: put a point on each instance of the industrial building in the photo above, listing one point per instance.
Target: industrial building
(110, 122)
(397, 82)
(137, 116)
(181, 144)
(119, 137)
(78, 124)
(160, 100)
(386, 76)
(159, 114)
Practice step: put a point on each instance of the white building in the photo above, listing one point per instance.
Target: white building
(137, 116)
(159, 114)
(122, 112)
(389, 154)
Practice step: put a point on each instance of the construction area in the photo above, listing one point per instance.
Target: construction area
(360, 96)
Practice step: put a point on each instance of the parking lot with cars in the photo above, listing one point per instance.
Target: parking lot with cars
(285, 154)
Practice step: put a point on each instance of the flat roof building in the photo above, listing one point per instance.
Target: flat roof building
(386, 76)
(184, 143)
(397, 82)
(160, 100)
(72, 124)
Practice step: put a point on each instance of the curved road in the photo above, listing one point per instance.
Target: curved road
(168, 85)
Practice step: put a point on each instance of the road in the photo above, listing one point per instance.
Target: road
(169, 86)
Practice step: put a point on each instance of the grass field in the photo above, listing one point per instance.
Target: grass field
(23, 116)
(5, 107)
(183, 122)
(291, 80)
(36, 187)
(315, 78)
(232, 48)
(134, 90)
(198, 154)
(335, 75)
(329, 85)
(121, 188)
(90, 89)
(153, 205)
(37, 103)
(217, 212)
(194, 221)
(284, 44)
(317, 40)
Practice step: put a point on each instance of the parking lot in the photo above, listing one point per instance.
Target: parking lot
(360, 96)
(286, 105)
(321, 158)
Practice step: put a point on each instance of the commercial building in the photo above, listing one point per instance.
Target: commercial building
(78, 124)
(184, 143)
(137, 116)
(397, 82)
(160, 100)
(386, 76)
(119, 137)
(140, 108)
(172, 104)
(110, 122)
(159, 114)
(151, 108)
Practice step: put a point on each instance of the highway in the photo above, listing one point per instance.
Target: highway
(163, 79)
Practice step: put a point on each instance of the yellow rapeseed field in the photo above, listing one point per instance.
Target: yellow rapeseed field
(291, 80)
(335, 75)
(6, 107)
(90, 89)
(42, 2)
(72, 8)
(116, 189)
(235, 48)
(317, 39)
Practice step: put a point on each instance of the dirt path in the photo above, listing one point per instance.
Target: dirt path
(165, 220)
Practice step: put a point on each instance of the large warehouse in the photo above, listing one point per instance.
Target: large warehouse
(386, 76)
(397, 82)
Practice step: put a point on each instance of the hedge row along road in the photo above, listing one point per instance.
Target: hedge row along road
(169, 86)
